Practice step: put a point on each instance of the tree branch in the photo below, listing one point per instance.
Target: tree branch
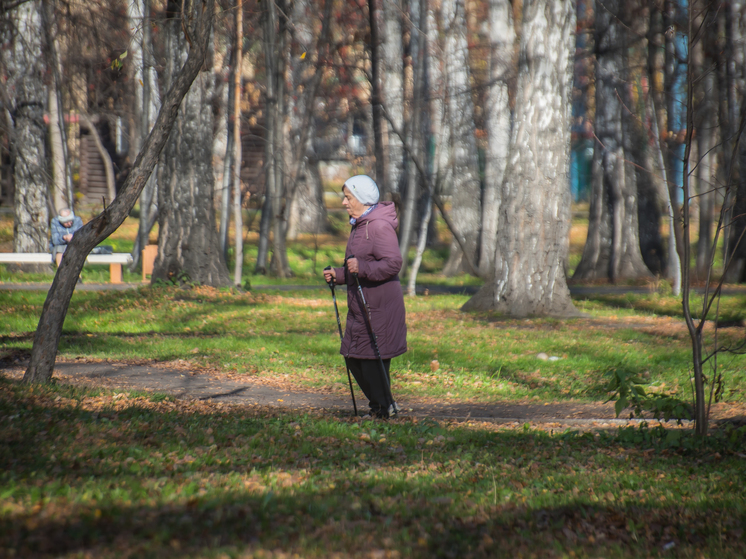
(431, 190)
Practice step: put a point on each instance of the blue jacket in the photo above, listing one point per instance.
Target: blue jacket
(59, 230)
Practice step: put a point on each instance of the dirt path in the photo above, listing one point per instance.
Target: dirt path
(190, 383)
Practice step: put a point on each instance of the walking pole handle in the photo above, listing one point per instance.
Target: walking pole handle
(330, 283)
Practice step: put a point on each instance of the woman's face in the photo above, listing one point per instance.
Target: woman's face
(353, 206)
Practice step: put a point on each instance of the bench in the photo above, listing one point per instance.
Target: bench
(114, 261)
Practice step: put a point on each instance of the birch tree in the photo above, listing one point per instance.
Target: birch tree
(25, 69)
(418, 132)
(534, 222)
(392, 57)
(146, 107)
(497, 111)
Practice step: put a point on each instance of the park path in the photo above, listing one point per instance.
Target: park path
(194, 384)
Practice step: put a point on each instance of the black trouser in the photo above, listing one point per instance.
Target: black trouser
(367, 373)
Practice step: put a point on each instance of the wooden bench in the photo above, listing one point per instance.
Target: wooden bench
(114, 261)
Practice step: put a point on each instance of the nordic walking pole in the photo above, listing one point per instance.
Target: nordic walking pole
(339, 326)
(374, 341)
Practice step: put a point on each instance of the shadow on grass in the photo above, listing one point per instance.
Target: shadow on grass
(323, 524)
(143, 482)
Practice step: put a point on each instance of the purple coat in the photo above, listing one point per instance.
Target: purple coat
(374, 243)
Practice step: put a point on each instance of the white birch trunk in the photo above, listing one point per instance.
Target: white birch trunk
(135, 23)
(148, 104)
(502, 39)
(534, 225)
(25, 70)
(393, 93)
(56, 146)
(417, 134)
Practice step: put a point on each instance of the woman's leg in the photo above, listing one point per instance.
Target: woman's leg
(376, 385)
(367, 373)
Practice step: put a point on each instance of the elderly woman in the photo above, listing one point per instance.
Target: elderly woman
(373, 254)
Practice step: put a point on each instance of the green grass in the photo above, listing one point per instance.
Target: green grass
(96, 473)
(293, 335)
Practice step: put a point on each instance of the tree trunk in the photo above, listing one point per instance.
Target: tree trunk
(497, 111)
(61, 173)
(706, 126)
(393, 95)
(612, 249)
(25, 70)
(308, 211)
(421, 244)
(656, 102)
(237, 156)
(418, 131)
(643, 146)
(49, 330)
(676, 94)
(269, 207)
(466, 210)
(534, 224)
(376, 96)
(279, 266)
(147, 114)
(188, 244)
(734, 245)
(228, 157)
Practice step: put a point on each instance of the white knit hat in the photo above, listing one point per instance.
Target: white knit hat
(364, 189)
(66, 218)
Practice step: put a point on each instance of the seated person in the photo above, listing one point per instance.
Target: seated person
(64, 227)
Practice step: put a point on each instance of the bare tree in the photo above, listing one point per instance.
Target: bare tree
(197, 23)
(533, 230)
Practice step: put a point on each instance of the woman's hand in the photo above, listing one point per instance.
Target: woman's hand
(352, 266)
(330, 275)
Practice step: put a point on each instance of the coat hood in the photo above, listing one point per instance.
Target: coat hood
(385, 211)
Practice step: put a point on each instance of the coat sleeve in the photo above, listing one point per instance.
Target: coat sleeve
(386, 256)
(340, 278)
